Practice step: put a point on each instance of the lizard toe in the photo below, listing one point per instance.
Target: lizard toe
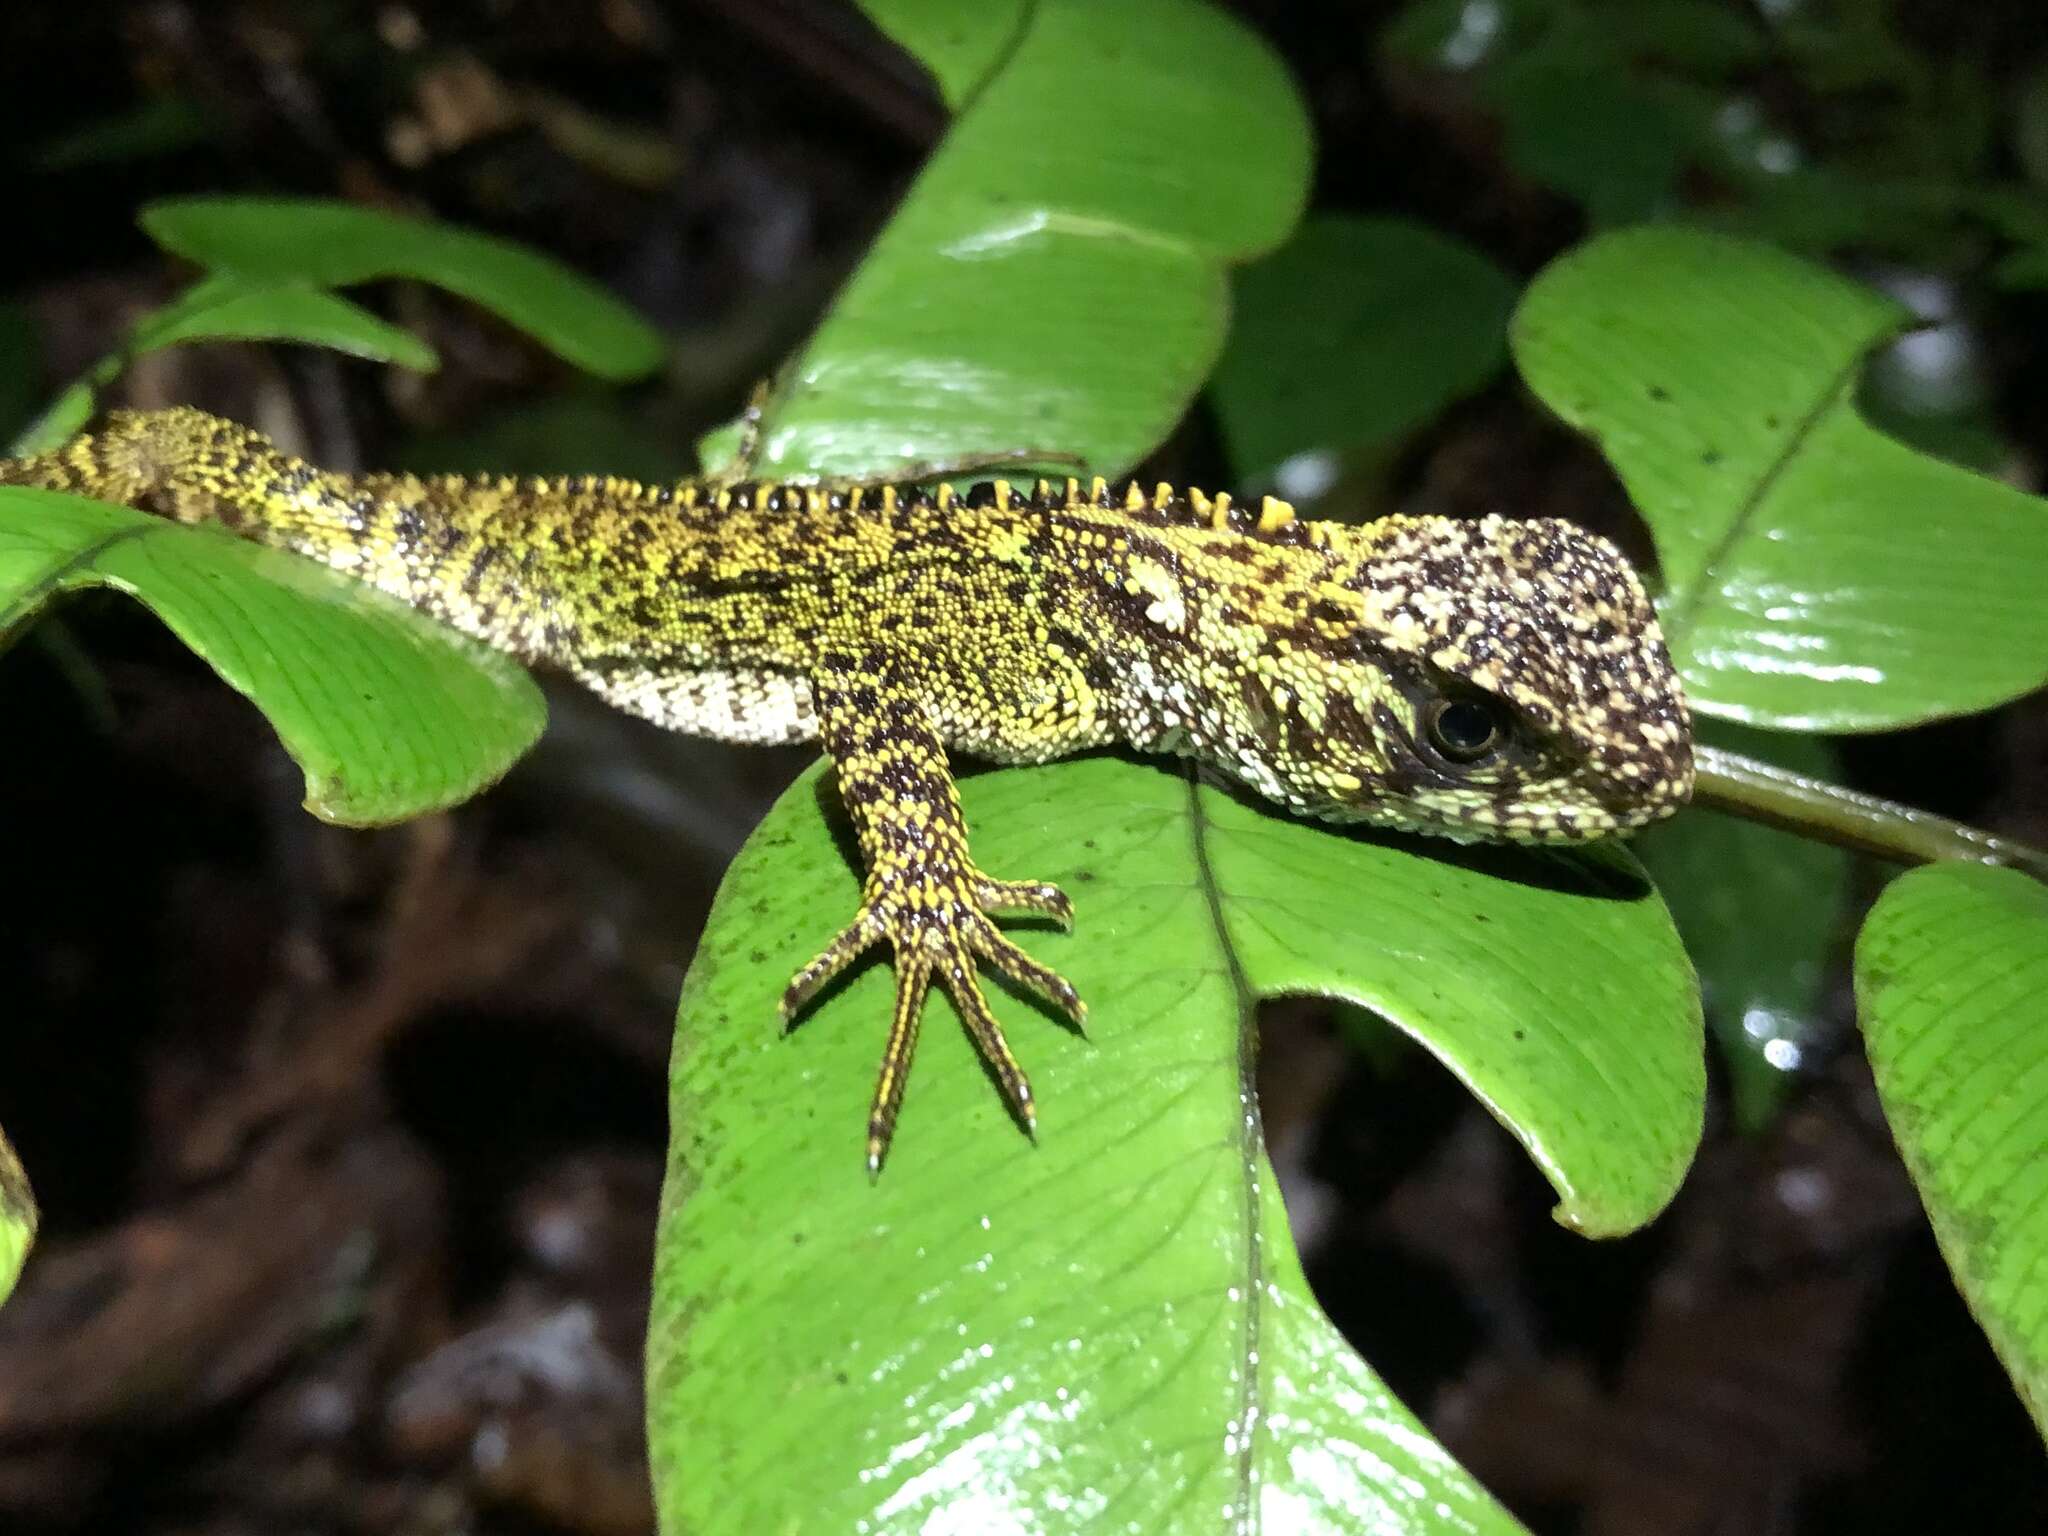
(1039, 896)
(963, 986)
(1009, 961)
(941, 932)
(913, 981)
(854, 940)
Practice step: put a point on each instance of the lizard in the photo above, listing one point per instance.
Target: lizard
(1487, 678)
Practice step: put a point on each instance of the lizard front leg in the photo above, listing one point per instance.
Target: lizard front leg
(922, 895)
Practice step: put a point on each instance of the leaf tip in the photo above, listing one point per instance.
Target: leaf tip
(18, 1218)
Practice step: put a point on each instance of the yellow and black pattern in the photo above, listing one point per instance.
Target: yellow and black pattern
(1497, 678)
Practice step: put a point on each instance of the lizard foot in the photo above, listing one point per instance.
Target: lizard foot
(944, 933)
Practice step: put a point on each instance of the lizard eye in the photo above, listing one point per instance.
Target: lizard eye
(1465, 731)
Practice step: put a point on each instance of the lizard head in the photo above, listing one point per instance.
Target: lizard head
(1485, 679)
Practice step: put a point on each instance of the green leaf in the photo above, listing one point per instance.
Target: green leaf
(1588, 130)
(17, 1218)
(325, 244)
(1952, 990)
(389, 714)
(2024, 269)
(1817, 574)
(226, 308)
(1456, 35)
(1760, 912)
(1704, 38)
(1055, 278)
(1110, 1329)
(21, 368)
(960, 44)
(1829, 207)
(2030, 127)
(1353, 333)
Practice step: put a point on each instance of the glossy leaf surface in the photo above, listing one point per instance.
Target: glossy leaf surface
(1110, 1330)
(388, 713)
(1035, 293)
(1817, 574)
(1952, 990)
(328, 244)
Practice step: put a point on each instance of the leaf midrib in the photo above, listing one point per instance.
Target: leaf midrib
(36, 593)
(1679, 615)
(1250, 1418)
(1005, 56)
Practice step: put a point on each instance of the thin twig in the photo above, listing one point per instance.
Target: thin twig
(1815, 808)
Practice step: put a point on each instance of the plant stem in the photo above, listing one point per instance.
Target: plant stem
(1814, 808)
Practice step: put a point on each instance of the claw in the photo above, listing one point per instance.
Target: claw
(949, 951)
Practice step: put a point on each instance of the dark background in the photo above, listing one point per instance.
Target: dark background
(348, 1144)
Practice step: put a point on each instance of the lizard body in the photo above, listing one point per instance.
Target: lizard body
(1493, 678)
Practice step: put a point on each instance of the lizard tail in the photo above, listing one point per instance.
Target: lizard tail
(191, 467)
(431, 543)
(181, 463)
